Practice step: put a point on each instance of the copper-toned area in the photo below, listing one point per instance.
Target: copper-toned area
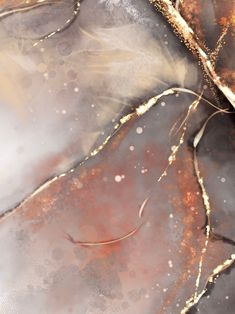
(117, 157)
(155, 268)
(214, 24)
(191, 39)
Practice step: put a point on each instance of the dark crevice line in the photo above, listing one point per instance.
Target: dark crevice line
(210, 287)
(218, 237)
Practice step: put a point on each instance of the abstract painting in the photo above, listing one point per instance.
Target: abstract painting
(117, 168)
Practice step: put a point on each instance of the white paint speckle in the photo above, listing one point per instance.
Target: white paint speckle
(131, 148)
(144, 171)
(118, 178)
(139, 130)
(170, 264)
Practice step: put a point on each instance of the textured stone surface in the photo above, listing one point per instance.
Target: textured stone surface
(152, 271)
(125, 229)
(61, 97)
(213, 22)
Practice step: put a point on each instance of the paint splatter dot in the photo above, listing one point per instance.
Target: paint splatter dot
(139, 130)
(170, 264)
(144, 170)
(118, 178)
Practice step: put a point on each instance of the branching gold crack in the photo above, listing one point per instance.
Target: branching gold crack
(211, 279)
(122, 121)
(206, 201)
(176, 148)
(187, 34)
(140, 110)
(181, 27)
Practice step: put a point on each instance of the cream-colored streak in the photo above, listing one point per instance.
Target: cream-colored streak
(100, 243)
(142, 207)
(187, 34)
(176, 148)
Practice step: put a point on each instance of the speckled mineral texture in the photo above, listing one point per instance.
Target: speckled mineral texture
(152, 271)
(214, 23)
(108, 107)
(60, 97)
